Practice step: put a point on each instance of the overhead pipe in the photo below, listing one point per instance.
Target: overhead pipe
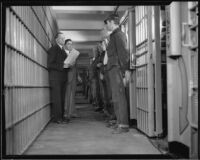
(175, 29)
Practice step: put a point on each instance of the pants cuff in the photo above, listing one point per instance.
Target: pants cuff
(124, 125)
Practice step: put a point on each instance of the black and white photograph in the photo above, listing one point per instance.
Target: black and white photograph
(99, 80)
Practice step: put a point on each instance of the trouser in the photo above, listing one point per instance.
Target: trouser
(93, 90)
(70, 107)
(57, 94)
(118, 96)
(106, 91)
(109, 106)
(97, 94)
(99, 91)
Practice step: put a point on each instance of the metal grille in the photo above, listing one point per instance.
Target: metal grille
(144, 110)
(27, 102)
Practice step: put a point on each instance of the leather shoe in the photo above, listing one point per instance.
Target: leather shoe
(58, 121)
(112, 121)
(75, 116)
(66, 120)
(113, 126)
(120, 130)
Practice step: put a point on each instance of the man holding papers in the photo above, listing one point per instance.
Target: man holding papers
(70, 64)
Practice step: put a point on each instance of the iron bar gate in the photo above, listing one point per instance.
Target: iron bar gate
(29, 31)
(148, 71)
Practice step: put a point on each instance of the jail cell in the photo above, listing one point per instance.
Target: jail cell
(27, 101)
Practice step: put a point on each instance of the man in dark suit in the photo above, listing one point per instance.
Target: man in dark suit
(70, 108)
(57, 77)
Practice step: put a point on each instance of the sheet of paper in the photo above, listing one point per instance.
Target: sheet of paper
(71, 58)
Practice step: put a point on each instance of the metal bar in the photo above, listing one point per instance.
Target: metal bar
(150, 75)
(20, 52)
(24, 86)
(33, 138)
(40, 22)
(47, 19)
(158, 89)
(26, 117)
(31, 32)
(142, 65)
(142, 109)
(142, 87)
(132, 84)
(141, 43)
(141, 54)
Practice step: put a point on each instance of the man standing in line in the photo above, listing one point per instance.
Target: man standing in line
(96, 79)
(70, 108)
(117, 65)
(57, 77)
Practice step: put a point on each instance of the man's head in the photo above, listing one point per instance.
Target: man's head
(60, 38)
(112, 22)
(68, 44)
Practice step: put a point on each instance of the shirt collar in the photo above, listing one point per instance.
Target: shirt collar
(67, 51)
(116, 30)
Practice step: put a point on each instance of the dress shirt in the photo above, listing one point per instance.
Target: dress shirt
(105, 60)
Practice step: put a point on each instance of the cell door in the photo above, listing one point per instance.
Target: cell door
(148, 113)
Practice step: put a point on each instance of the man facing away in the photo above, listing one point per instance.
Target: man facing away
(57, 77)
(70, 109)
(117, 66)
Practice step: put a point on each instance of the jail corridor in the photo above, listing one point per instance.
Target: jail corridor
(161, 91)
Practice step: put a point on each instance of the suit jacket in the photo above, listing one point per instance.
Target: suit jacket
(55, 62)
(117, 52)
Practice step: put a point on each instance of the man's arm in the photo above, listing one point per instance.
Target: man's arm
(122, 52)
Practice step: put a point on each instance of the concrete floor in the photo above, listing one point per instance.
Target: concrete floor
(88, 135)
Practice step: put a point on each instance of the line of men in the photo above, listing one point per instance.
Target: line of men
(113, 64)
(110, 76)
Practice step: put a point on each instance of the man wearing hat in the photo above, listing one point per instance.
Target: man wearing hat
(117, 66)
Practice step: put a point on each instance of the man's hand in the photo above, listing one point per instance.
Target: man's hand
(66, 65)
(101, 76)
(127, 76)
(99, 65)
(79, 79)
